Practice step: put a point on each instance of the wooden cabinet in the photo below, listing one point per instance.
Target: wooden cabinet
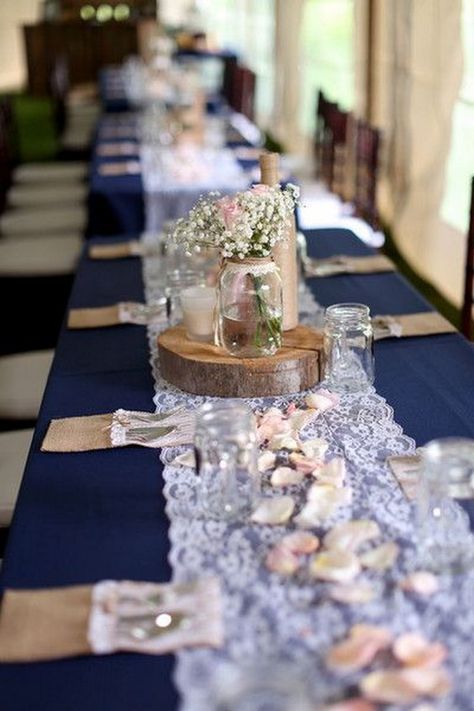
(87, 48)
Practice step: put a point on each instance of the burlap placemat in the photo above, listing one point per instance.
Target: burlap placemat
(78, 434)
(44, 624)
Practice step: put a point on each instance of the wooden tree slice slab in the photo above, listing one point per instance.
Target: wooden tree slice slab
(205, 369)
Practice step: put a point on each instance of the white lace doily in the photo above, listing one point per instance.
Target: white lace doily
(295, 620)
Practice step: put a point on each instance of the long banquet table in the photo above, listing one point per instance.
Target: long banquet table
(90, 516)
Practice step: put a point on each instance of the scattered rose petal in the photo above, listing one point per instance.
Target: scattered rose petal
(335, 566)
(351, 534)
(282, 560)
(319, 492)
(283, 441)
(322, 400)
(359, 649)
(334, 472)
(285, 476)
(305, 464)
(273, 511)
(266, 461)
(405, 686)
(299, 419)
(422, 582)
(323, 501)
(349, 705)
(186, 459)
(388, 686)
(414, 650)
(270, 423)
(291, 408)
(355, 594)
(382, 557)
(429, 681)
(314, 448)
(300, 542)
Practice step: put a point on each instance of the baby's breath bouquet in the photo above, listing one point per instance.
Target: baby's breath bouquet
(244, 228)
(247, 224)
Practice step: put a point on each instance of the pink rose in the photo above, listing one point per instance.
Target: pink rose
(229, 210)
(260, 189)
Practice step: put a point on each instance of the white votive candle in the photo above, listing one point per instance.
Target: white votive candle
(198, 305)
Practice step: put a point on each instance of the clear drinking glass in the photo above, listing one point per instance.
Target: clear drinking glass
(226, 455)
(444, 540)
(348, 348)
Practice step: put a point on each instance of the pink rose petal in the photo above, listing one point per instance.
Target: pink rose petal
(359, 649)
(414, 650)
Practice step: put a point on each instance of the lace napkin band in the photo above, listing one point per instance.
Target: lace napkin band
(427, 323)
(122, 167)
(119, 429)
(116, 314)
(342, 264)
(407, 471)
(111, 616)
(119, 250)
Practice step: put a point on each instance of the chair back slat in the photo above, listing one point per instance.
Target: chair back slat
(466, 313)
(366, 172)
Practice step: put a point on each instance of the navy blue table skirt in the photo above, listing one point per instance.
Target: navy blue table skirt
(83, 517)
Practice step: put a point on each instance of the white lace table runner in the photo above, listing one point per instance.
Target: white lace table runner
(174, 178)
(295, 620)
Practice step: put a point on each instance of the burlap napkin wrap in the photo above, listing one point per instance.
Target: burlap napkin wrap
(342, 264)
(55, 623)
(121, 428)
(427, 323)
(133, 248)
(116, 314)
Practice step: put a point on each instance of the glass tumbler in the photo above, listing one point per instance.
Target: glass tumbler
(444, 540)
(226, 455)
(348, 348)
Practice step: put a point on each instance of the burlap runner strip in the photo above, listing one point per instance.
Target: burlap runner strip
(78, 434)
(37, 625)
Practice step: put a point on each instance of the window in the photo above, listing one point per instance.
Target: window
(328, 56)
(248, 28)
(460, 167)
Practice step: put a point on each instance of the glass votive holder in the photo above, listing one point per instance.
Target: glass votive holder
(176, 281)
(348, 359)
(226, 456)
(444, 539)
(198, 305)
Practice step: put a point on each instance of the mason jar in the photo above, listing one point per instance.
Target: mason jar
(249, 307)
(348, 361)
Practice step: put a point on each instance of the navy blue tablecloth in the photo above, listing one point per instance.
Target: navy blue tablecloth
(83, 517)
(116, 203)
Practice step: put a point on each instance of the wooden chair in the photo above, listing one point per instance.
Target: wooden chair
(367, 142)
(337, 123)
(243, 96)
(466, 313)
(323, 142)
